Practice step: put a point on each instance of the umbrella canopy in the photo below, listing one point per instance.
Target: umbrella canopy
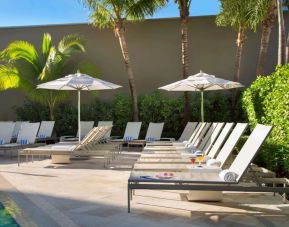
(78, 82)
(201, 82)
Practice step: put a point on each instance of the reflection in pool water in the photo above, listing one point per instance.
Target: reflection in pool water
(6, 219)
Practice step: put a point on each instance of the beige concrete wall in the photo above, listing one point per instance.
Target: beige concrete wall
(154, 47)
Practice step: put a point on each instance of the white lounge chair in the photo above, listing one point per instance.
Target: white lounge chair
(86, 127)
(106, 123)
(45, 131)
(62, 151)
(221, 180)
(131, 132)
(6, 131)
(154, 131)
(17, 129)
(26, 138)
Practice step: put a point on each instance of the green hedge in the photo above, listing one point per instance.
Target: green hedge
(266, 101)
(152, 108)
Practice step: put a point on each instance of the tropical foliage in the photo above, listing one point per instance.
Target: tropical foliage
(113, 14)
(266, 101)
(26, 67)
(242, 16)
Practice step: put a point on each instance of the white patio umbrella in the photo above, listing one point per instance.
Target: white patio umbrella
(201, 82)
(78, 82)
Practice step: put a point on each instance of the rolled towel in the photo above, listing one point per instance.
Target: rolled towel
(213, 162)
(228, 176)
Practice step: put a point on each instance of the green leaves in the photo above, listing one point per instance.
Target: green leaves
(71, 44)
(266, 101)
(106, 13)
(9, 77)
(25, 66)
(247, 14)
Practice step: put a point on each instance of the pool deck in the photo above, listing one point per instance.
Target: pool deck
(85, 194)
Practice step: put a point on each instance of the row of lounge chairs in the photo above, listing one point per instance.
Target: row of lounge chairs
(168, 165)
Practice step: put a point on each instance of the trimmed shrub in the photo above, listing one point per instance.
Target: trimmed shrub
(152, 108)
(266, 101)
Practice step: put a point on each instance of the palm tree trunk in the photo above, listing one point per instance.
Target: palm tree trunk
(119, 29)
(185, 62)
(240, 44)
(51, 111)
(282, 37)
(267, 26)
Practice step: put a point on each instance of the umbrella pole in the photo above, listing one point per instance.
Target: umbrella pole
(79, 126)
(202, 105)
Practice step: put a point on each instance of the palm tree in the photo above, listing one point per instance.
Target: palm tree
(267, 26)
(184, 9)
(30, 67)
(242, 16)
(281, 35)
(113, 14)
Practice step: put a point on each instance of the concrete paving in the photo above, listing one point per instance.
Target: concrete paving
(85, 194)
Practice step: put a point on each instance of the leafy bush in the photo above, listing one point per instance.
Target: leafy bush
(32, 111)
(153, 108)
(122, 113)
(267, 102)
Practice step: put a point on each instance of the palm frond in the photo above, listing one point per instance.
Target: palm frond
(139, 9)
(22, 50)
(52, 66)
(71, 44)
(103, 15)
(46, 45)
(9, 77)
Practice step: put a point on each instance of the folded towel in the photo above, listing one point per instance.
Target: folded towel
(150, 139)
(128, 138)
(228, 176)
(213, 162)
(41, 136)
(24, 141)
(185, 141)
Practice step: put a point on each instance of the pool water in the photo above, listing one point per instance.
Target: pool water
(6, 219)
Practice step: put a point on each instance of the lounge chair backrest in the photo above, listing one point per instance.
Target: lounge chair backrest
(188, 131)
(154, 131)
(201, 124)
(212, 138)
(106, 123)
(231, 142)
(6, 131)
(17, 128)
(28, 132)
(132, 130)
(198, 138)
(45, 129)
(220, 140)
(207, 135)
(249, 150)
(86, 126)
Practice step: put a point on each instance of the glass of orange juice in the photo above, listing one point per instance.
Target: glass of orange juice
(200, 159)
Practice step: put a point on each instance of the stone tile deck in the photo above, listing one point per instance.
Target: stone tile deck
(85, 194)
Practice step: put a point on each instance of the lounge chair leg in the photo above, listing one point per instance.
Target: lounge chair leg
(18, 159)
(128, 199)
(284, 194)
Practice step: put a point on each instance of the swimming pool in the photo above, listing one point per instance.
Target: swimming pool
(6, 219)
